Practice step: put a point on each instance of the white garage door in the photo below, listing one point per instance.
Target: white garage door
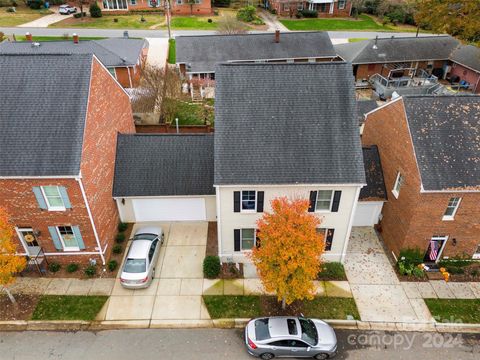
(367, 213)
(172, 209)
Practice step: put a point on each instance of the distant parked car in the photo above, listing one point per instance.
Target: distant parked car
(67, 9)
(289, 336)
(139, 266)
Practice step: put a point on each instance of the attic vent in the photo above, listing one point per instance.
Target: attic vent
(124, 59)
(35, 44)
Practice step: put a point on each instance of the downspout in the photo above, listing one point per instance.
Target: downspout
(91, 219)
(350, 222)
(129, 76)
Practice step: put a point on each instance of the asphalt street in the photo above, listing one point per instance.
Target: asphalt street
(215, 344)
(163, 33)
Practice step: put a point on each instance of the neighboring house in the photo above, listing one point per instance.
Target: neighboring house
(465, 63)
(398, 56)
(429, 149)
(123, 57)
(178, 7)
(196, 56)
(374, 195)
(324, 8)
(285, 130)
(165, 177)
(59, 119)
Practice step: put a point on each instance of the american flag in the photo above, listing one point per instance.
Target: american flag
(433, 250)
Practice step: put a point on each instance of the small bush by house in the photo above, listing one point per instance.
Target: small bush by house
(91, 270)
(246, 14)
(54, 267)
(95, 11)
(71, 268)
(120, 238)
(309, 13)
(112, 265)
(122, 227)
(35, 4)
(211, 267)
(117, 249)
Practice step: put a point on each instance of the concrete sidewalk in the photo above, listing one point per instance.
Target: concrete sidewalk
(375, 286)
(157, 52)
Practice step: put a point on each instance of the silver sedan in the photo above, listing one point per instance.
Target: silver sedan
(290, 336)
(139, 266)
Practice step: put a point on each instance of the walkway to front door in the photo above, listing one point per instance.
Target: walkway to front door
(375, 286)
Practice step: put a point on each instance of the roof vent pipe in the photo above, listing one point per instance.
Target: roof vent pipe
(28, 36)
(277, 36)
(375, 47)
(75, 38)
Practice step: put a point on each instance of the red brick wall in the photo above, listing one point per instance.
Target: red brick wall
(205, 8)
(466, 74)
(17, 197)
(109, 112)
(411, 220)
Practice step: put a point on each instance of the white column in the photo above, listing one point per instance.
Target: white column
(332, 4)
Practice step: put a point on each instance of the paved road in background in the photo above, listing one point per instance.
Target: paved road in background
(163, 33)
(213, 344)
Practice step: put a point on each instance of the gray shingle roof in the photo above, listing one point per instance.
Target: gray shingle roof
(203, 52)
(363, 107)
(286, 124)
(110, 52)
(446, 136)
(467, 55)
(375, 189)
(164, 164)
(398, 49)
(43, 102)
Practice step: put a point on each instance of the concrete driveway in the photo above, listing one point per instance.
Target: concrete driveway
(45, 21)
(175, 294)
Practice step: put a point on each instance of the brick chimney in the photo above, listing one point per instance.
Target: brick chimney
(28, 36)
(75, 38)
(277, 36)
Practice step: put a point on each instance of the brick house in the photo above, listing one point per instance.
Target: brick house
(178, 7)
(123, 57)
(57, 152)
(465, 64)
(429, 151)
(325, 8)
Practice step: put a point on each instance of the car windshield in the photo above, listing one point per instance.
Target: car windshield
(309, 331)
(261, 329)
(135, 266)
(145, 237)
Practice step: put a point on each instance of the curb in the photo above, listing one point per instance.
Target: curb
(60, 325)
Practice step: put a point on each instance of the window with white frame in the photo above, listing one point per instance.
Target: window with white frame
(112, 71)
(179, 2)
(247, 239)
(68, 238)
(249, 200)
(452, 208)
(476, 255)
(198, 1)
(300, 6)
(286, 7)
(341, 4)
(133, 2)
(53, 198)
(398, 184)
(324, 200)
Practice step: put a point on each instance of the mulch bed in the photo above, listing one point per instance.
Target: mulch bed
(26, 304)
(272, 307)
(230, 271)
(212, 240)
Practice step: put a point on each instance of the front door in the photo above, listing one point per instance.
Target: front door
(29, 241)
(435, 248)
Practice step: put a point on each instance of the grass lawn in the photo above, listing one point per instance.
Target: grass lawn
(192, 113)
(231, 306)
(53, 307)
(194, 22)
(154, 21)
(21, 16)
(356, 39)
(332, 271)
(455, 310)
(172, 51)
(54, 38)
(364, 22)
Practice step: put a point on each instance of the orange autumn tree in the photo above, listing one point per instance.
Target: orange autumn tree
(288, 256)
(9, 262)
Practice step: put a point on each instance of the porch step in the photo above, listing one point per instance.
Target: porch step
(437, 275)
(196, 95)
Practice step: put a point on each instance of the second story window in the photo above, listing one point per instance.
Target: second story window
(248, 200)
(52, 198)
(451, 209)
(324, 200)
(398, 184)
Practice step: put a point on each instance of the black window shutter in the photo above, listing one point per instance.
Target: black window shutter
(236, 201)
(260, 195)
(329, 239)
(336, 200)
(313, 199)
(236, 239)
(257, 239)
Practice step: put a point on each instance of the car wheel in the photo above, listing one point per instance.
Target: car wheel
(321, 356)
(267, 356)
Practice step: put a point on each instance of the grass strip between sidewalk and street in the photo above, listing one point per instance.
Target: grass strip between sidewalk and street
(455, 310)
(239, 306)
(54, 307)
(172, 51)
